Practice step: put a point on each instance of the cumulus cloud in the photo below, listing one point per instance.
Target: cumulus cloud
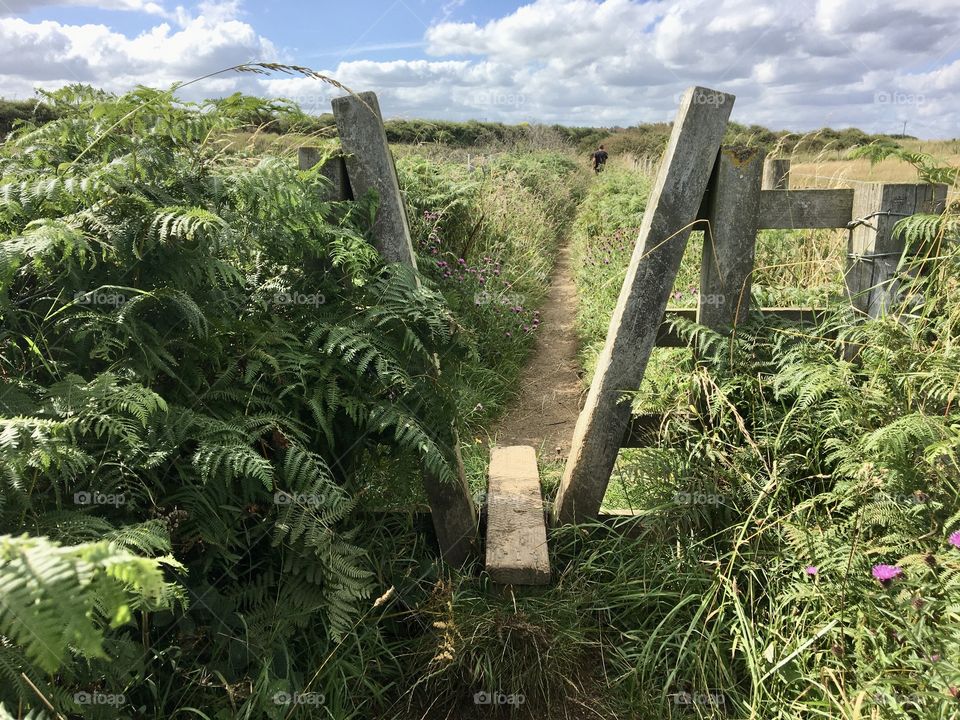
(591, 62)
(14, 7)
(50, 54)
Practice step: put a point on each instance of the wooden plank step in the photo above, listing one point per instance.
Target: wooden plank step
(516, 527)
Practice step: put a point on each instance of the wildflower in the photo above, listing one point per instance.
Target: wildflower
(886, 573)
(935, 657)
(955, 539)
(812, 569)
(677, 295)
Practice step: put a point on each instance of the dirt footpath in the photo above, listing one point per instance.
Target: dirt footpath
(551, 394)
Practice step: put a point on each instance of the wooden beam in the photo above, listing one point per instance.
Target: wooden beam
(875, 252)
(800, 209)
(729, 241)
(671, 210)
(334, 170)
(370, 166)
(776, 174)
(516, 527)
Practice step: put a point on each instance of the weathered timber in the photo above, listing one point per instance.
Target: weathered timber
(874, 250)
(516, 527)
(370, 166)
(452, 509)
(672, 208)
(729, 240)
(796, 209)
(334, 170)
(776, 174)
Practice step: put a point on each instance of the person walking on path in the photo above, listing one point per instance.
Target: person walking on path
(599, 158)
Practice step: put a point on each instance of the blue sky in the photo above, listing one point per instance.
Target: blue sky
(800, 64)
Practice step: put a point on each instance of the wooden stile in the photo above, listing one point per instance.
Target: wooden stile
(671, 211)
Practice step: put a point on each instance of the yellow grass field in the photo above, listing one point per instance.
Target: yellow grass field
(831, 168)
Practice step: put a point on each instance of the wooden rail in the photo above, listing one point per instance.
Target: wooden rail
(745, 193)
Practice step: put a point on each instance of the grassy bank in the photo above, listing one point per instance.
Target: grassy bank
(796, 547)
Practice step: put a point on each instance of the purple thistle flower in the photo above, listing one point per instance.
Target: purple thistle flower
(886, 573)
(955, 539)
(935, 657)
(812, 569)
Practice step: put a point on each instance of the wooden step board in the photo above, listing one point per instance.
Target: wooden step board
(516, 528)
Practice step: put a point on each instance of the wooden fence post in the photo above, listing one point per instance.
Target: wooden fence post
(776, 174)
(671, 211)
(370, 167)
(334, 169)
(874, 252)
(729, 241)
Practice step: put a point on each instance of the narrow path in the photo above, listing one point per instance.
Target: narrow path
(550, 398)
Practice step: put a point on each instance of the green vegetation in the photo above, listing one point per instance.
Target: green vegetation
(206, 367)
(211, 388)
(785, 479)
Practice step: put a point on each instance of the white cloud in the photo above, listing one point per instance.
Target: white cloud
(14, 7)
(791, 64)
(49, 54)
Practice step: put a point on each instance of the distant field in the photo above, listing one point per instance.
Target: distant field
(830, 168)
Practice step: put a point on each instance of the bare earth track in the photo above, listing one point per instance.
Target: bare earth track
(550, 392)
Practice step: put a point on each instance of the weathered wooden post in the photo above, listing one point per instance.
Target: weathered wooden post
(776, 174)
(334, 170)
(729, 240)
(370, 167)
(874, 252)
(671, 211)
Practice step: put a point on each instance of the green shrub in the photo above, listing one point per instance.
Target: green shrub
(203, 341)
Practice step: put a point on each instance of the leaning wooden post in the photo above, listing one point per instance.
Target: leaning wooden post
(874, 252)
(370, 166)
(776, 174)
(730, 239)
(671, 211)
